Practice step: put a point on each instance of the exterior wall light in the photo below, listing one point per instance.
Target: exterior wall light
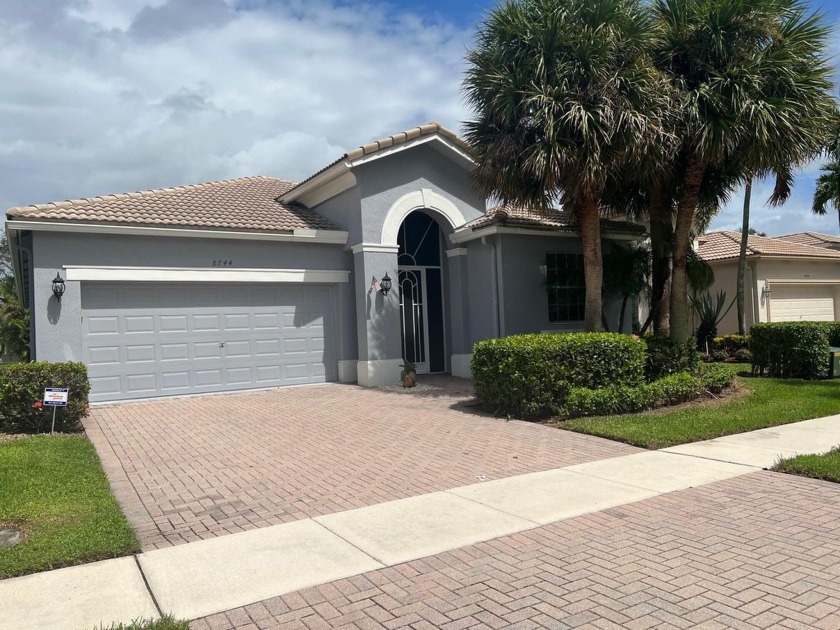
(58, 286)
(765, 291)
(385, 285)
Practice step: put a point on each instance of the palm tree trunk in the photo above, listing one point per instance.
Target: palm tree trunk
(686, 209)
(660, 227)
(589, 225)
(742, 259)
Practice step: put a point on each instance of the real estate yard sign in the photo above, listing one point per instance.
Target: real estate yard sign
(55, 397)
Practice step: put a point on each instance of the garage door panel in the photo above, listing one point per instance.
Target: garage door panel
(802, 303)
(105, 325)
(150, 340)
(140, 353)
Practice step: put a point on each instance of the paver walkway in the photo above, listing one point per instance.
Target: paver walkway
(194, 468)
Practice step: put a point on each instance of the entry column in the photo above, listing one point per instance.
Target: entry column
(377, 315)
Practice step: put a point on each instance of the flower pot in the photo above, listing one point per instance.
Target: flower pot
(409, 379)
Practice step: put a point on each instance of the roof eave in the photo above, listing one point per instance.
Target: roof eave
(337, 237)
(338, 177)
(466, 234)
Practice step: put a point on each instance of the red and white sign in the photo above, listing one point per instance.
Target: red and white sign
(56, 396)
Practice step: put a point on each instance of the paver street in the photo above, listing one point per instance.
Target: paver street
(757, 551)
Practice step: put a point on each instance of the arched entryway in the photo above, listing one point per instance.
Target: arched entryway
(421, 292)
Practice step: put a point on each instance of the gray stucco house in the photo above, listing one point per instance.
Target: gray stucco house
(260, 282)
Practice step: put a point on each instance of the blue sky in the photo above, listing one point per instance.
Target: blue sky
(104, 96)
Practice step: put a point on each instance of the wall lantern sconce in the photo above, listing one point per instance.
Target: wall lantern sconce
(543, 270)
(58, 286)
(385, 285)
(765, 291)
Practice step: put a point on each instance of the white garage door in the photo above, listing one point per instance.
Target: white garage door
(803, 303)
(158, 339)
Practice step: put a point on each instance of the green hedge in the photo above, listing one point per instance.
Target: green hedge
(529, 376)
(731, 343)
(666, 356)
(22, 390)
(669, 390)
(832, 331)
(792, 349)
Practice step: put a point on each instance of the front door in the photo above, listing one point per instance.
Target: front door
(420, 285)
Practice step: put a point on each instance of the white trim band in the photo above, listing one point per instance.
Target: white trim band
(201, 274)
(375, 247)
(334, 237)
(458, 251)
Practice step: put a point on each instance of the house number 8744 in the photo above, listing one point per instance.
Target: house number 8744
(222, 263)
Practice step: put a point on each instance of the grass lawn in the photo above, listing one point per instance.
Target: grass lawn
(826, 466)
(764, 402)
(53, 490)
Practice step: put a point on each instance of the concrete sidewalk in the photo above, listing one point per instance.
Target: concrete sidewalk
(202, 578)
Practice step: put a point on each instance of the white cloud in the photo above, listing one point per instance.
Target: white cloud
(114, 95)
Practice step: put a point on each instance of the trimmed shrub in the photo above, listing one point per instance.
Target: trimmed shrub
(716, 378)
(743, 355)
(731, 343)
(832, 331)
(22, 390)
(720, 356)
(669, 390)
(530, 376)
(791, 349)
(666, 356)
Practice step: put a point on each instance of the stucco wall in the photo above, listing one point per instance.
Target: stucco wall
(383, 182)
(726, 279)
(58, 324)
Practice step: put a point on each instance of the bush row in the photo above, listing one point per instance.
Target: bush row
(666, 357)
(22, 390)
(730, 344)
(793, 349)
(530, 376)
(669, 390)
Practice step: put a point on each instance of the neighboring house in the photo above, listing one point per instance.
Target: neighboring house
(788, 278)
(260, 282)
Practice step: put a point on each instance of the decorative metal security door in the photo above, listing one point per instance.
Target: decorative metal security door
(414, 317)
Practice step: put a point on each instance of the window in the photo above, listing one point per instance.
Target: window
(566, 287)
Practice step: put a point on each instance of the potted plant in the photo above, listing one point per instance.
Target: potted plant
(408, 376)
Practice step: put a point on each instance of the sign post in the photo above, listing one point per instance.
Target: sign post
(55, 397)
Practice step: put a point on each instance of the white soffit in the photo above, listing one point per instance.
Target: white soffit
(300, 235)
(201, 274)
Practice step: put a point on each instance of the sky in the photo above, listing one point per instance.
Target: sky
(107, 96)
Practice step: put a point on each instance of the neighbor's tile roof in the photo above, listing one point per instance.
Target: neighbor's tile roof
(722, 245)
(390, 141)
(551, 219)
(812, 238)
(249, 203)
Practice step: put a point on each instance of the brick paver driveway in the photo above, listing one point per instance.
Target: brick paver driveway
(758, 551)
(192, 468)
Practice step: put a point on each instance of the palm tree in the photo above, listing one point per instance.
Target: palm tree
(828, 183)
(751, 82)
(563, 95)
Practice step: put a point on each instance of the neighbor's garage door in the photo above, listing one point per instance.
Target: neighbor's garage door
(803, 303)
(157, 339)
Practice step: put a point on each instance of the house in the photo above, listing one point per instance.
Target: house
(261, 282)
(787, 278)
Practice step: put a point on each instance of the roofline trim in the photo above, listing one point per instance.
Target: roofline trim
(466, 235)
(300, 235)
(775, 257)
(345, 164)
